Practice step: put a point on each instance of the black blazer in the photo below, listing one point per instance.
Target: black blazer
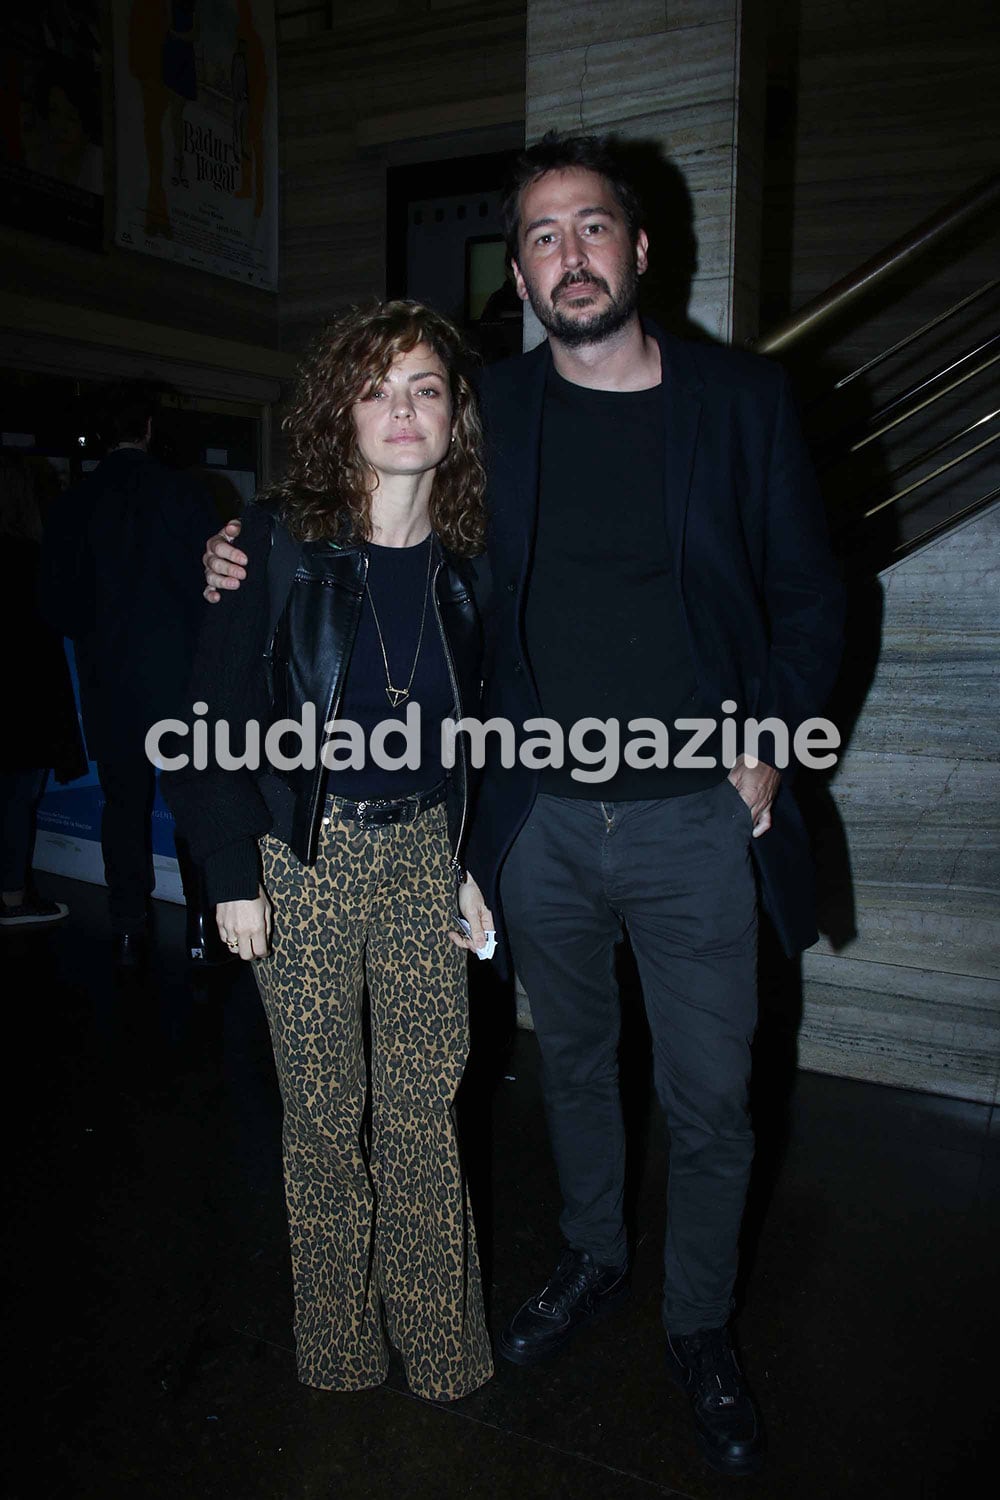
(760, 593)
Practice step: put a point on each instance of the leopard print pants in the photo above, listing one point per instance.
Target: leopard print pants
(382, 1240)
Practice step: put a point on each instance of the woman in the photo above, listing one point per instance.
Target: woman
(383, 497)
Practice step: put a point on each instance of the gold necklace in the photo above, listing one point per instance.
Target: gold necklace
(397, 695)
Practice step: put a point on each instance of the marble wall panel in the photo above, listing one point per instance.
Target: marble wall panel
(945, 931)
(938, 679)
(304, 152)
(346, 195)
(922, 820)
(909, 1027)
(406, 67)
(709, 306)
(552, 26)
(140, 287)
(689, 78)
(913, 998)
(602, 86)
(681, 13)
(917, 116)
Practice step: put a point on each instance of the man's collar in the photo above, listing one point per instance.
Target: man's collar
(678, 367)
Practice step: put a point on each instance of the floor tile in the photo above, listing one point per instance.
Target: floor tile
(151, 1311)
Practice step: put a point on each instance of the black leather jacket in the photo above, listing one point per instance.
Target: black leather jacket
(311, 652)
(222, 812)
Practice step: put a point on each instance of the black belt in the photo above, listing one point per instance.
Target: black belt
(379, 812)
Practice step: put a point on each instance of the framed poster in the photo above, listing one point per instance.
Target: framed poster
(196, 134)
(444, 246)
(51, 121)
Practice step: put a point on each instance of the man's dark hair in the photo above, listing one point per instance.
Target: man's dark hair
(556, 153)
(125, 411)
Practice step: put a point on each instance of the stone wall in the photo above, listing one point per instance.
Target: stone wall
(908, 991)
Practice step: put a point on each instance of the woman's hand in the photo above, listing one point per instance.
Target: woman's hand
(245, 926)
(476, 913)
(224, 565)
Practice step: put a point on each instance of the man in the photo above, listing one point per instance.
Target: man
(117, 577)
(658, 552)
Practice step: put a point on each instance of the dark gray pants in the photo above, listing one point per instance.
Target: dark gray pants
(677, 874)
(129, 786)
(20, 794)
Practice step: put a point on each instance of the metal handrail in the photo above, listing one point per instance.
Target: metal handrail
(955, 437)
(902, 549)
(911, 338)
(908, 395)
(926, 478)
(932, 230)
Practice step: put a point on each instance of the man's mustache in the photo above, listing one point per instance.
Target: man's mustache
(574, 279)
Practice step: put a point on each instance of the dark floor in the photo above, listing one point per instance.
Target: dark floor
(150, 1337)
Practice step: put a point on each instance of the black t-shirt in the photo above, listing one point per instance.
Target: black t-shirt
(398, 582)
(605, 634)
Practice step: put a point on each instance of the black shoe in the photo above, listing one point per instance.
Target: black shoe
(729, 1426)
(34, 911)
(579, 1291)
(130, 951)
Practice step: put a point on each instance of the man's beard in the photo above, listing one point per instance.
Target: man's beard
(583, 328)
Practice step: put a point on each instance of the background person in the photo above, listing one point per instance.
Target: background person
(117, 575)
(41, 731)
(383, 497)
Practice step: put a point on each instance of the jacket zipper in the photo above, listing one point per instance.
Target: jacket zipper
(333, 703)
(458, 709)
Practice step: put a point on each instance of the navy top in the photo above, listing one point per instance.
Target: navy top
(398, 583)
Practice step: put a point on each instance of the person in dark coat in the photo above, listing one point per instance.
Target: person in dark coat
(659, 562)
(42, 732)
(117, 575)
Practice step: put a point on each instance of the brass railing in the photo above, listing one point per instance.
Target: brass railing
(836, 298)
(958, 369)
(876, 425)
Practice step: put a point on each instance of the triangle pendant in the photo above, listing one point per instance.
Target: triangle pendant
(396, 696)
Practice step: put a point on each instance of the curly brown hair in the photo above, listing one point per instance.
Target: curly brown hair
(328, 485)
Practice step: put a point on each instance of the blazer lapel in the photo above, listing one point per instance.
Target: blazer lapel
(682, 402)
(527, 450)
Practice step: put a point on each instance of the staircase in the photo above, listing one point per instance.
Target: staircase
(904, 987)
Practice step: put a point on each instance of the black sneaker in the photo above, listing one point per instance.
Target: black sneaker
(32, 912)
(729, 1426)
(580, 1291)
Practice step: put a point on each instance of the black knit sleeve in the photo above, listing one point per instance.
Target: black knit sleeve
(219, 811)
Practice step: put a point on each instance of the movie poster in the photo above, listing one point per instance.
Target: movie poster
(196, 134)
(51, 121)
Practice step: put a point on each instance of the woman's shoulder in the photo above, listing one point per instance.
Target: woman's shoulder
(461, 572)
